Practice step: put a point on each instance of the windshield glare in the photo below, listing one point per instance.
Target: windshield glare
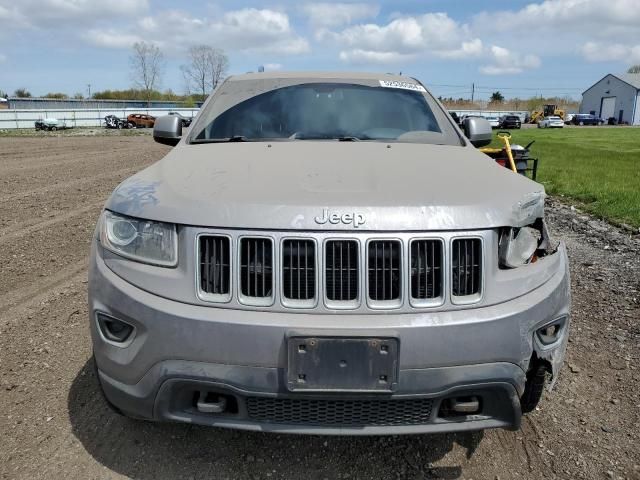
(326, 111)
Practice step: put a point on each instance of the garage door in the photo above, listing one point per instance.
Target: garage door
(608, 108)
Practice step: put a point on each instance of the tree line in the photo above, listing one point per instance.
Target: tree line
(204, 69)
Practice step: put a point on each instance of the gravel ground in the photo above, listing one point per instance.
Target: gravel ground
(54, 424)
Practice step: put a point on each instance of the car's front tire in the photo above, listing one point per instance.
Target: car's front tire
(533, 388)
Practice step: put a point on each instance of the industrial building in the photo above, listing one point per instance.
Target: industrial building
(616, 96)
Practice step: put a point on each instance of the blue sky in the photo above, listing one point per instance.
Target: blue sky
(523, 48)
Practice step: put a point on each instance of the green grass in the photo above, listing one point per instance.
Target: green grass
(596, 167)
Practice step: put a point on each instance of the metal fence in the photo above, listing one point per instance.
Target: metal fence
(12, 119)
(491, 113)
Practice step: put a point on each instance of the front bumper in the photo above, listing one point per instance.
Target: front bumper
(181, 350)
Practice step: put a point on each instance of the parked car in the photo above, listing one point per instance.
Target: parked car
(50, 124)
(586, 119)
(568, 118)
(141, 121)
(493, 121)
(509, 121)
(111, 121)
(327, 253)
(551, 122)
(186, 121)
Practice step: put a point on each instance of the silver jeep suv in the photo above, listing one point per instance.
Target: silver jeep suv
(327, 253)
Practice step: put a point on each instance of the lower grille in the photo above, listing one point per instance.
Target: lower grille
(299, 269)
(256, 267)
(335, 412)
(384, 270)
(466, 264)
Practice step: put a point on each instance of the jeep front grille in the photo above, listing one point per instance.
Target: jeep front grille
(341, 270)
(426, 269)
(466, 263)
(384, 270)
(360, 272)
(256, 267)
(299, 269)
(215, 265)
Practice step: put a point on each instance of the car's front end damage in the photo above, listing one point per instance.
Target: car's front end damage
(308, 287)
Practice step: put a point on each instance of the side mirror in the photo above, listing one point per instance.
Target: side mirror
(478, 131)
(167, 130)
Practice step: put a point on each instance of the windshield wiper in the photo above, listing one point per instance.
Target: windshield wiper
(322, 136)
(234, 138)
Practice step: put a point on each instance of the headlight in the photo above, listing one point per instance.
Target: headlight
(518, 245)
(142, 240)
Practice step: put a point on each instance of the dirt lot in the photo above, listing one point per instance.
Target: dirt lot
(54, 424)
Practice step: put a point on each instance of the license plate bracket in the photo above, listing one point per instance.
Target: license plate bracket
(342, 364)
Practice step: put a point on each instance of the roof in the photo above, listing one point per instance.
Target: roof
(321, 76)
(632, 79)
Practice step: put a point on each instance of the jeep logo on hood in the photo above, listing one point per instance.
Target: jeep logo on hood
(355, 219)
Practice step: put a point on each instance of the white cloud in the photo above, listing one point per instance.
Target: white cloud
(469, 49)
(610, 18)
(248, 29)
(405, 38)
(506, 62)
(368, 57)
(331, 15)
(607, 52)
(40, 13)
(111, 38)
(272, 66)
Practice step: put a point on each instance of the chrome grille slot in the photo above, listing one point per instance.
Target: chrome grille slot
(215, 267)
(426, 269)
(298, 269)
(256, 267)
(341, 270)
(384, 270)
(466, 267)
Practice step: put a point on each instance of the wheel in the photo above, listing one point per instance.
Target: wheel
(119, 126)
(130, 125)
(53, 129)
(533, 388)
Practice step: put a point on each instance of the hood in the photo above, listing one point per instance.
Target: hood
(314, 185)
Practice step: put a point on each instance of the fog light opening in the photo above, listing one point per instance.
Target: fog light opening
(460, 406)
(550, 333)
(113, 329)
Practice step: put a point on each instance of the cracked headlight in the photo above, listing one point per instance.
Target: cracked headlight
(141, 240)
(518, 246)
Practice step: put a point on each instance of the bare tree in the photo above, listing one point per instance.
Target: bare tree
(634, 69)
(147, 65)
(206, 68)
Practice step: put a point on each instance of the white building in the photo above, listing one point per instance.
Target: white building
(615, 96)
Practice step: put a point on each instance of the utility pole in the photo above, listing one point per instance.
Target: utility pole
(473, 91)
(89, 88)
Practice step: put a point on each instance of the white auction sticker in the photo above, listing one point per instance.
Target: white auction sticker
(404, 85)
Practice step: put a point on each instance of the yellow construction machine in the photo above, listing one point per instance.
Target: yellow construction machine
(547, 111)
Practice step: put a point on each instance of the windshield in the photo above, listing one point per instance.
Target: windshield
(326, 111)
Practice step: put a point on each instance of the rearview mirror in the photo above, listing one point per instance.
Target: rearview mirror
(478, 131)
(168, 130)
